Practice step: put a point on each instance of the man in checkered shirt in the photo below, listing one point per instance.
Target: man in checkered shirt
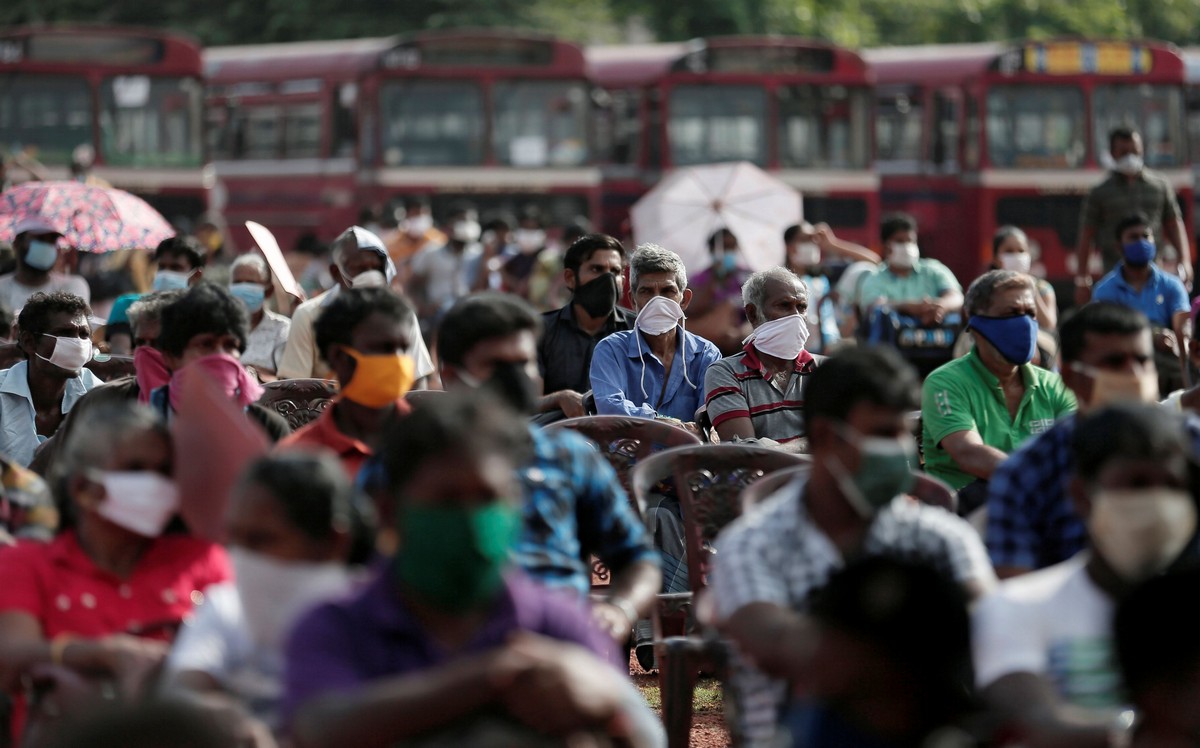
(769, 562)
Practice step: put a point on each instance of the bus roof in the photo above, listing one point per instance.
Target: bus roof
(446, 50)
(623, 66)
(96, 45)
(944, 64)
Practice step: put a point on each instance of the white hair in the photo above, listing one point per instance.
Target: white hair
(253, 260)
(754, 290)
(651, 258)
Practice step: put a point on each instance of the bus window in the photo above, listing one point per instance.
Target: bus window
(1155, 111)
(49, 115)
(302, 131)
(1035, 127)
(898, 127)
(823, 127)
(717, 123)
(259, 132)
(148, 121)
(540, 123)
(344, 121)
(1193, 120)
(431, 123)
(971, 146)
(945, 133)
(626, 128)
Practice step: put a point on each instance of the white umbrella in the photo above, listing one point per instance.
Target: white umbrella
(686, 207)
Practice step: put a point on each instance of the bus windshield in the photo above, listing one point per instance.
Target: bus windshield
(540, 123)
(823, 127)
(718, 123)
(46, 116)
(1036, 127)
(1154, 111)
(431, 123)
(148, 121)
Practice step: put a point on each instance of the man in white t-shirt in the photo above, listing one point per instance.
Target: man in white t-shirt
(1043, 644)
(35, 244)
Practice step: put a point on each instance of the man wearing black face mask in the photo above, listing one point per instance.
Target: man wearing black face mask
(574, 505)
(592, 269)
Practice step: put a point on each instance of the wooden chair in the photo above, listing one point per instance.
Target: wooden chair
(761, 489)
(299, 401)
(624, 442)
(710, 480)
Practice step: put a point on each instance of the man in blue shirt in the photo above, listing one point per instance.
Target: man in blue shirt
(575, 507)
(1031, 522)
(1138, 282)
(657, 369)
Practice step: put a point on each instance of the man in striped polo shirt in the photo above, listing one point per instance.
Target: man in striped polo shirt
(759, 393)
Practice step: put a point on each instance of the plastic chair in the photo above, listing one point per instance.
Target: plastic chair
(299, 401)
(763, 488)
(710, 480)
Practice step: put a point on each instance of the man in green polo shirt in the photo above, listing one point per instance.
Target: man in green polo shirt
(979, 408)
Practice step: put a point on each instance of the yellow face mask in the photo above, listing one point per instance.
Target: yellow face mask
(379, 380)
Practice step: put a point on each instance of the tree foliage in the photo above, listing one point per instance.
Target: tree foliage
(850, 22)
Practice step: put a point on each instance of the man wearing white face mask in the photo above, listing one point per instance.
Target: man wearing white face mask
(657, 369)
(36, 394)
(359, 261)
(907, 289)
(759, 393)
(35, 244)
(1043, 645)
(1130, 188)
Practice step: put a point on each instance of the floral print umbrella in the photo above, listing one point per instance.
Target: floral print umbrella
(92, 219)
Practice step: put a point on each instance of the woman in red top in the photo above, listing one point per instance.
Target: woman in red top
(103, 598)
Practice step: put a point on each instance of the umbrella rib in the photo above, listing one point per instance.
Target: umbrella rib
(745, 214)
(691, 216)
(755, 195)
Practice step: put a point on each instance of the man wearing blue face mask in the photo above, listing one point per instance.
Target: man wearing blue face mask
(1139, 283)
(36, 394)
(36, 248)
(978, 408)
(251, 284)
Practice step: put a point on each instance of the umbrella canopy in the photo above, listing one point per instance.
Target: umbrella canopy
(91, 219)
(686, 207)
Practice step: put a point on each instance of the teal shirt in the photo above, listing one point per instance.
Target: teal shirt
(928, 278)
(964, 395)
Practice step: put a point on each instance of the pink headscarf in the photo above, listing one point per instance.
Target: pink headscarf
(151, 370)
(226, 371)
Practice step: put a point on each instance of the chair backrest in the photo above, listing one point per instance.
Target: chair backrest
(710, 480)
(626, 441)
(299, 401)
(759, 490)
(933, 491)
(415, 396)
(111, 367)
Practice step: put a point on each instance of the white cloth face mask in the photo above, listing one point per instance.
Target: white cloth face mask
(659, 315)
(782, 338)
(142, 502)
(1019, 262)
(69, 353)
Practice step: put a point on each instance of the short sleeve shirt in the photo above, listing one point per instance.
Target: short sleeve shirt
(927, 278)
(737, 387)
(1160, 299)
(1109, 202)
(776, 554)
(60, 586)
(13, 295)
(265, 343)
(964, 396)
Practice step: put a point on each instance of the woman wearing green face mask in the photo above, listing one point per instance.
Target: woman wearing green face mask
(447, 632)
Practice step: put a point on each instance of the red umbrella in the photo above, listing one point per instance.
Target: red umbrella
(92, 219)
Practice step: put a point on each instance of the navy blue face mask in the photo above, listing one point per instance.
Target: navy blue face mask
(1139, 253)
(1014, 337)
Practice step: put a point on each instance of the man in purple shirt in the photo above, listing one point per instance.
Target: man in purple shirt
(447, 632)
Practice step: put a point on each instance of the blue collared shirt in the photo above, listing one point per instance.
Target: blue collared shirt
(18, 421)
(1031, 521)
(1161, 297)
(627, 378)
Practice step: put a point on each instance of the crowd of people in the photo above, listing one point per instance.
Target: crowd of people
(992, 544)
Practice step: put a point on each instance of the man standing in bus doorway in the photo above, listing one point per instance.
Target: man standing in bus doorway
(1129, 189)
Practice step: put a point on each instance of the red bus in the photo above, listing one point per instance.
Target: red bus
(307, 134)
(796, 107)
(972, 137)
(133, 95)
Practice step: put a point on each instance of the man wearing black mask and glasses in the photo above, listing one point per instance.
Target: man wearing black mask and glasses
(592, 270)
